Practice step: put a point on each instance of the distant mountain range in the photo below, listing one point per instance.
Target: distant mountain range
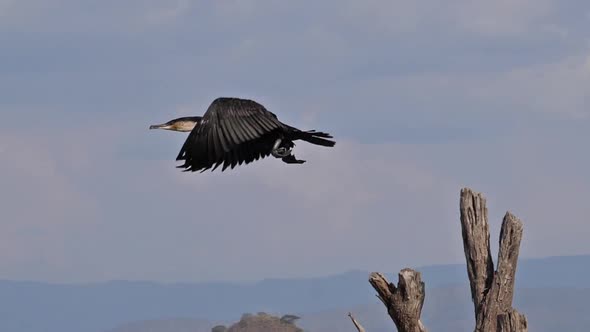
(553, 291)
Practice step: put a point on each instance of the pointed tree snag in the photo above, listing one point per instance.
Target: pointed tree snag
(404, 302)
(358, 325)
(476, 241)
(491, 291)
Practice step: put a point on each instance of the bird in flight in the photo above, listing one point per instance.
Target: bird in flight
(234, 131)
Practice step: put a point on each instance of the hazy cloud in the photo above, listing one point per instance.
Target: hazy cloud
(423, 99)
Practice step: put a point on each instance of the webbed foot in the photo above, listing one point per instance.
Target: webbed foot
(290, 159)
(282, 148)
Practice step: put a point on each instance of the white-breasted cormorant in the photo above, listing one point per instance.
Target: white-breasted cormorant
(234, 131)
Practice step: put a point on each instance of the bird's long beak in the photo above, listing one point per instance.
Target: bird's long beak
(160, 126)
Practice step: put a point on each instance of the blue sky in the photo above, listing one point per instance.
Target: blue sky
(423, 98)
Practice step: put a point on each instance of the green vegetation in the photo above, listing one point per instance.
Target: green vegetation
(262, 322)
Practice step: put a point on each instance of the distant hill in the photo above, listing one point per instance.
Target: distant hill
(259, 322)
(100, 307)
(263, 322)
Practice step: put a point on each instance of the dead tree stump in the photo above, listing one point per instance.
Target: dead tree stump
(404, 302)
(491, 291)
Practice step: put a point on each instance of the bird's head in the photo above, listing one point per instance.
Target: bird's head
(181, 124)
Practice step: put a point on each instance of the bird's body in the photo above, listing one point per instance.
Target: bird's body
(234, 131)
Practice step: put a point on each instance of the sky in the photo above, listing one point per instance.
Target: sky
(423, 97)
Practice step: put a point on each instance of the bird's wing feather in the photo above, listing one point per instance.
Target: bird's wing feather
(232, 131)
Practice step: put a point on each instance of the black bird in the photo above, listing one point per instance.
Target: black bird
(234, 131)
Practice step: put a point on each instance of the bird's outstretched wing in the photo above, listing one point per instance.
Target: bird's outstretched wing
(232, 131)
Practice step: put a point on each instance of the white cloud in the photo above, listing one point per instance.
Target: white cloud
(14, 12)
(167, 11)
(503, 17)
(587, 66)
(561, 87)
(42, 205)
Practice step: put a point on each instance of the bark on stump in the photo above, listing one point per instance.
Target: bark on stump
(404, 302)
(491, 291)
(512, 321)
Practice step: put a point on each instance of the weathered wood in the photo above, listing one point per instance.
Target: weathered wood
(476, 244)
(358, 325)
(512, 321)
(404, 302)
(491, 291)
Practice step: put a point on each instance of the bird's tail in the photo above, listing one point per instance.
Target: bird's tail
(316, 137)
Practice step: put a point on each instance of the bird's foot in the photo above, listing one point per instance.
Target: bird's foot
(281, 152)
(290, 159)
(281, 149)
